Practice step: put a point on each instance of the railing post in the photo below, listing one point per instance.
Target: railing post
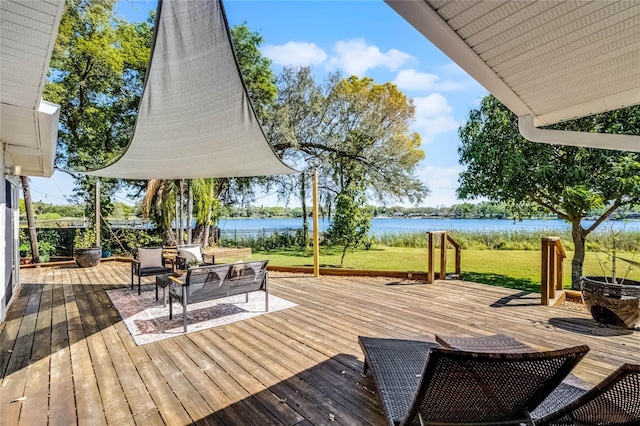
(551, 269)
(430, 272)
(559, 271)
(443, 255)
(544, 281)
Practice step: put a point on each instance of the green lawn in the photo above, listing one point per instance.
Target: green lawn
(519, 269)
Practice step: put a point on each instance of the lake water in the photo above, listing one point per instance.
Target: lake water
(394, 225)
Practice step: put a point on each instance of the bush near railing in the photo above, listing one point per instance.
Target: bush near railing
(264, 239)
(511, 240)
(59, 241)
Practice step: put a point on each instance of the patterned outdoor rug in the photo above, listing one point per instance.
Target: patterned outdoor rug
(148, 321)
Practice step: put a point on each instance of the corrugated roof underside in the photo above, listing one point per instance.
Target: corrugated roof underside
(553, 55)
(25, 39)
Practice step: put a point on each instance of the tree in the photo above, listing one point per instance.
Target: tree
(567, 181)
(31, 221)
(97, 72)
(355, 132)
(351, 222)
(255, 68)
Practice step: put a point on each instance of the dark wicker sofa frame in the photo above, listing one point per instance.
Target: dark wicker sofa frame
(217, 281)
(421, 383)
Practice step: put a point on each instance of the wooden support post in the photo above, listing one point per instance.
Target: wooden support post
(544, 281)
(443, 256)
(551, 269)
(559, 271)
(316, 231)
(551, 280)
(189, 210)
(98, 213)
(432, 251)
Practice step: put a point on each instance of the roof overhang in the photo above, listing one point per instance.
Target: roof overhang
(195, 119)
(28, 125)
(548, 61)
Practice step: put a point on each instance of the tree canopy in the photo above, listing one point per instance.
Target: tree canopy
(568, 181)
(96, 74)
(97, 71)
(352, 130)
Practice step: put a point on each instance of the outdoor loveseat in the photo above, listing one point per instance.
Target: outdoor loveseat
(217, 281)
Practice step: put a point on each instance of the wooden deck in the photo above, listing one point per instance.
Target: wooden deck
(67, 357)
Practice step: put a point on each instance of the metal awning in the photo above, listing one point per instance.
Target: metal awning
(195, 119)
(28, 125)
(547, 61)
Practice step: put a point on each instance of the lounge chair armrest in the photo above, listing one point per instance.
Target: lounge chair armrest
(213, 258)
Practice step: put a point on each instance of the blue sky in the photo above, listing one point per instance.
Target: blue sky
(364, 38)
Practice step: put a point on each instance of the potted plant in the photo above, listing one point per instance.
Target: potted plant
(46, 248)
(612, 298)
(106, 249)
(85, 251)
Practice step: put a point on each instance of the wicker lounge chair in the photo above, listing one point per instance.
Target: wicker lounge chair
(615, 401)
(421, 383)
(148, 262)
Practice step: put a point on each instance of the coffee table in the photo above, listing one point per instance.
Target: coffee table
(163, 281)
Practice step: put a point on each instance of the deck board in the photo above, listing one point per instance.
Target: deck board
(67, 357)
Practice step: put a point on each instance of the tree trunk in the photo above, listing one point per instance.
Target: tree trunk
(305, 221)
(31, 222)
(579, 237)
(207, 229)
(344, 252)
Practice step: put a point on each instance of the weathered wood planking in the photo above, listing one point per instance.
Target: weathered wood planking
(68, 358)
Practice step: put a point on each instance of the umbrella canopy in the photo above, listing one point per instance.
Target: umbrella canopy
(195, 119)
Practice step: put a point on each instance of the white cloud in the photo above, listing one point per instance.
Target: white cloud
(442, 182)
(451, 68)
(433, 116)
(295, 53)
(414, 80)
(355, 57)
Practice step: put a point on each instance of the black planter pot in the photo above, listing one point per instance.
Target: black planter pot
(612, 304)
(87, 257)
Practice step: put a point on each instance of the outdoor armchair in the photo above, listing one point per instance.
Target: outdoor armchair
(615, 401)
(423, 383)
(148, 262)
(189, 253)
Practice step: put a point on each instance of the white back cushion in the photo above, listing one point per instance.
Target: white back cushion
(190, 253)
